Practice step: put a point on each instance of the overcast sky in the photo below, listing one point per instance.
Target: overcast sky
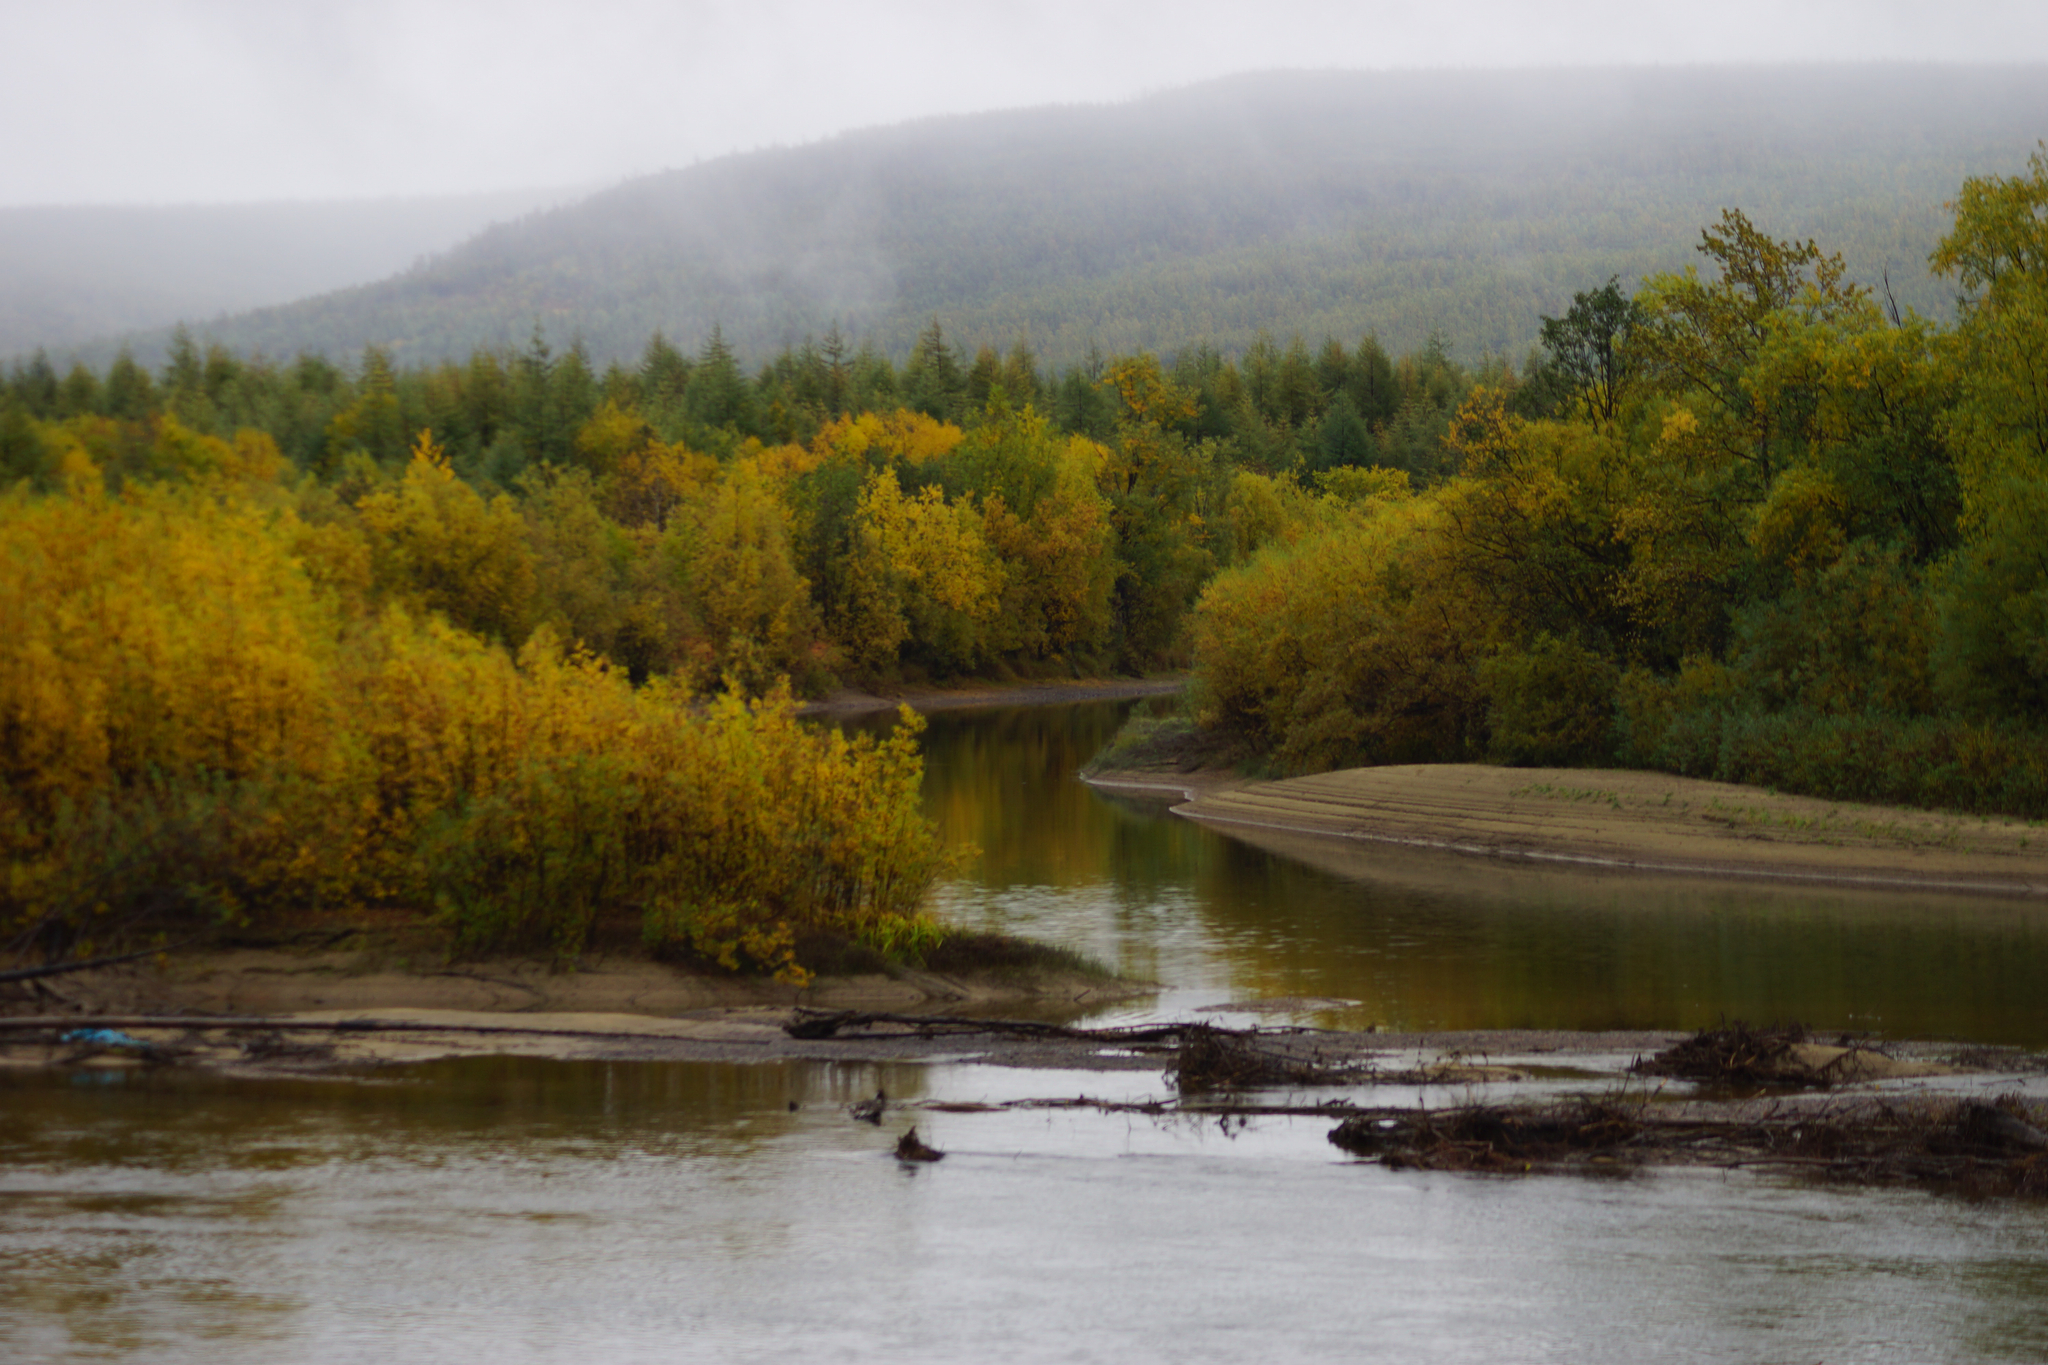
(161, 101)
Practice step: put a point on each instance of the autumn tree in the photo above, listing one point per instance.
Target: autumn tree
(439, 546)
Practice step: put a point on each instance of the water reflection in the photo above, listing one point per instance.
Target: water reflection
(1436, 942)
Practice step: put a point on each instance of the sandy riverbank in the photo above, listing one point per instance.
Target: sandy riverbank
(1620, 821)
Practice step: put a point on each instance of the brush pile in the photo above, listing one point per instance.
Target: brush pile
(1496, 1138)
(1211, 1059)
(1972, 1147)
(1782, 1056)
(1994, 1149)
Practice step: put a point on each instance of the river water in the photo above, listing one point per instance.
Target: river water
(516, 1210)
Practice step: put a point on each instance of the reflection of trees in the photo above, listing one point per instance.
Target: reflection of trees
(1430, 942)
(1006, 782)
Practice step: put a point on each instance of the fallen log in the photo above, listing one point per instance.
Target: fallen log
(807, 1023)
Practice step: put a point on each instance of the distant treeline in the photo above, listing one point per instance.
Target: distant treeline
(604, 491)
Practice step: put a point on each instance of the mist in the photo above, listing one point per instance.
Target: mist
(204, 101)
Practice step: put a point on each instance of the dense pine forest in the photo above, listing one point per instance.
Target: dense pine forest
(509, 643)
(1464, 205)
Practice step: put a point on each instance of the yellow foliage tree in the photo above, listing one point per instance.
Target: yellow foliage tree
(728, 556)
(1059, 568)
(876, 439)
(922, 575)
(438, 546)
(1360, 645)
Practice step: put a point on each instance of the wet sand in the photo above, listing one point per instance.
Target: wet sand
(1615, 821)
(283, 980)
(608, 1008)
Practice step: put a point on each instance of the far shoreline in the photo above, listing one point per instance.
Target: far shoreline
(963, 695)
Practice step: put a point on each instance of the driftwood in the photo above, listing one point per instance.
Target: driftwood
(909, 1148)
(202, 1021)
(1205, 1058)
(813, 1024)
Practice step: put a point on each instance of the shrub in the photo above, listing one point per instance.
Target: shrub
(1549, 704)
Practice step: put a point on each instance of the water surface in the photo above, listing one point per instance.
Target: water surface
(516, 1210)
(1440, 941)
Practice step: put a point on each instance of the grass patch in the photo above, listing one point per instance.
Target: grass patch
(1005, 958)
(1170, 743)
(997, 957)
(1551, 789)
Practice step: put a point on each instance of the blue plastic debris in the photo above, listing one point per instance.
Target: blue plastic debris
(104, 1037)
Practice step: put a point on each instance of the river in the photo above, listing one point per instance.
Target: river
(517, 1210)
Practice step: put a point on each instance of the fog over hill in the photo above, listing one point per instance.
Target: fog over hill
(75, 274)
(1464, 204)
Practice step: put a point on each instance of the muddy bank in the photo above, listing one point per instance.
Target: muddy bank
(850, 701)
(1621, 821)
(285, 980)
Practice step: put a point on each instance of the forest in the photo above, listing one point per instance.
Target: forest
(511, 644)
(510, 648)
(1775, 530)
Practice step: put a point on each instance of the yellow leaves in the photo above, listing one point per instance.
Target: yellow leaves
(1483, 434)
(1998, 250)
(877, 439)
(1058, 572)
(921, 569)
(735, 568)
(1679, 428)
(1356, 645)
(1260, 510)
(602, 444)
(179, 452)
(255, 457)
(161, 633)
(1365, 486)
(1802, 523)
(182, 697)
(78, 474)
(438, 546)
(1148, 396)
(654, 481)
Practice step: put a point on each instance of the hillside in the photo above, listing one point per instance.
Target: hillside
(72, 274)
(1466, 203)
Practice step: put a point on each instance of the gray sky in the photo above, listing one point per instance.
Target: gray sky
(162, 101)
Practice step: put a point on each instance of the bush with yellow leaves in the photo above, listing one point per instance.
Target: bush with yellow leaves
(202, 721)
